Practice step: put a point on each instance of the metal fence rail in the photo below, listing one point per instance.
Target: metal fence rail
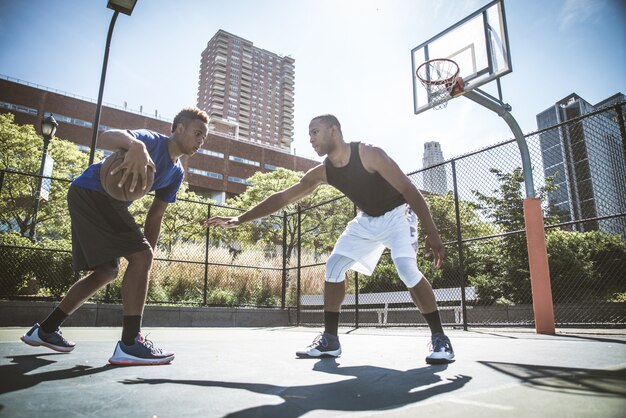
(476, 201)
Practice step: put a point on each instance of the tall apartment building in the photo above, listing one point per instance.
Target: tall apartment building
(247, 91)
(435, 179)
(218, 170)
(586, 161)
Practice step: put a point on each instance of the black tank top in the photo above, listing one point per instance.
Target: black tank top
(370, 192)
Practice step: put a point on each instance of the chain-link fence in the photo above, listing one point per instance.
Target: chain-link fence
(476, 202)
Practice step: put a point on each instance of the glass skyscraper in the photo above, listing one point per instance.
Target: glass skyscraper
(585, 158)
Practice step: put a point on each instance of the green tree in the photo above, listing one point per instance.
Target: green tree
(182, 220)
(21, 151)
(508, 279)
(320, 226)
(443, 210)
(585, 266)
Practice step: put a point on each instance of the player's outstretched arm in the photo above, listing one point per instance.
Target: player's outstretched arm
(375, 159)
(136, 161)
(276, 201)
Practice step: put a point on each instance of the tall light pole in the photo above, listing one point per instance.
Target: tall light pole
(126, 7)
(48, 129)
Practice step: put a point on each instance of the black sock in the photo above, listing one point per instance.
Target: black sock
(331, 322)
(131, 327)
(54, 320)
(434, 322)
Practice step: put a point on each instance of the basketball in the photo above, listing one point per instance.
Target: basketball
(110, 182)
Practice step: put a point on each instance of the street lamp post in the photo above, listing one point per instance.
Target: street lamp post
(126, 7)
(48, 129)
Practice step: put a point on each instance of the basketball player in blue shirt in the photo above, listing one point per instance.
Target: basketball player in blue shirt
(388, 204)
(103, 231)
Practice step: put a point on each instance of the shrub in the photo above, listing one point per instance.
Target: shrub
(14, 264)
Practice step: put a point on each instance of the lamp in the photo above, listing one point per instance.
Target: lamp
(48, 129)
(122, 6)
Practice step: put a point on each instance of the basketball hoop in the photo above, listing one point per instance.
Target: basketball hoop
(441, 79)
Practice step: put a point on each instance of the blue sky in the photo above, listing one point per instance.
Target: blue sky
(352, 59)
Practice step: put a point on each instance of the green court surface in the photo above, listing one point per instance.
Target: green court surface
(253, 372)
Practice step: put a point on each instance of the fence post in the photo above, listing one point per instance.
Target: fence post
(206, 258)
(283, 297)
(459, 243)
(299, 248)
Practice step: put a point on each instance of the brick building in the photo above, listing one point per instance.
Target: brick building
(218, 170)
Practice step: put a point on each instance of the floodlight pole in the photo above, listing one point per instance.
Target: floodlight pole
(118, 6)
(96, 123)
(533, 218)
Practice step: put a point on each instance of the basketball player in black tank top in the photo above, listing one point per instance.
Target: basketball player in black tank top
(388, 201)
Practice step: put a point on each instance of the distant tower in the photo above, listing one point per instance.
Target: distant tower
(435, 180)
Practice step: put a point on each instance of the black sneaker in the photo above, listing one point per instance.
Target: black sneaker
(441, 350)
(324, 345)
(53, 340)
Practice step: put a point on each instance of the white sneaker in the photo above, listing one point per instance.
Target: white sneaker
(54, 340)
(324, 345)
(442, 352)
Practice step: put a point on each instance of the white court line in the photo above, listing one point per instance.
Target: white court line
(482, 404)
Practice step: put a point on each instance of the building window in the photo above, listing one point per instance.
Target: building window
(205, 173)
(18, 108)
(270, 167)
(75, 121)
(239, 180)
(244, 161)
(211, 153)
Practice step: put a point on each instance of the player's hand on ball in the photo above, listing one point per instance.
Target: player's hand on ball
(136, 164)
(223, 222)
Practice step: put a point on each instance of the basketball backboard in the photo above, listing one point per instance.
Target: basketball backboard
(479, 44)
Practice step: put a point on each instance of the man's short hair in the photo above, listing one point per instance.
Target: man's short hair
(328, 120)
(189, 113)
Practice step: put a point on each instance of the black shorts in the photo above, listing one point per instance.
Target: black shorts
(102, 231)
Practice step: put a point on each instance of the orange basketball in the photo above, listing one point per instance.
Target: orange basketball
(110, 182)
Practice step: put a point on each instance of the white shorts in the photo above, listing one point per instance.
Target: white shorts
(366, 237)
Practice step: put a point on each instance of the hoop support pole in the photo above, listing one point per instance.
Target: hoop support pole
(517, 132)
(543, 307)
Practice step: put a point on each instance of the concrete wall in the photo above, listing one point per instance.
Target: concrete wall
(25, 313)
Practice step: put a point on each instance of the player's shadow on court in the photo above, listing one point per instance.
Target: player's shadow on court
(372, 388)
(17, 375)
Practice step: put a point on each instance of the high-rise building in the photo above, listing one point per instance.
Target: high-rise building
(247, 91)
(435, 179)
(585, 159)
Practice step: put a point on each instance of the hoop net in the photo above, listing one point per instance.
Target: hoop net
(439, 77)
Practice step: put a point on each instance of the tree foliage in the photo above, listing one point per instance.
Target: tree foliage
(320, 226)
(502, 273)
(585, 266)
(21, 151)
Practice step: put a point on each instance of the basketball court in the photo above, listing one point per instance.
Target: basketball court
(253, 372)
